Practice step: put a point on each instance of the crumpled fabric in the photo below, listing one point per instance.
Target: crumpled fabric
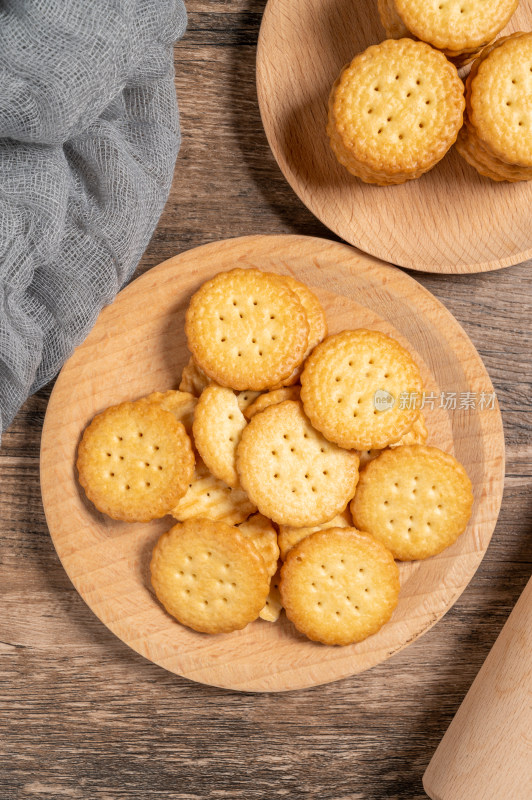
(89, 135)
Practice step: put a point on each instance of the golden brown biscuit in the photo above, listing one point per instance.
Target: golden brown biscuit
(349, 378)
(416, 435)
(476, 154)
(294, 475)
(135, 461)
(395, 111)
(273, 606)
(365, 456)
(339, 586)
(415, 499)
(217, 428)
(392, 23)
(497, 136)
(211, 498)
(288, 536)
(316, 319)
(246, 329)
(193, 379)
(455, 26)
(264, 536)
(181, 404)
(271, 399)
(396, 29)
(208, 576)
(245, 399)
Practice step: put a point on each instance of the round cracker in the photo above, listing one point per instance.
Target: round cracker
(395, 111)
(499, 99)
(135, 461)
(246, 329)
(414, 499)
(339, 586)
(455, 25)
(208, 576)
(339, 383)
(217, 428)
(294, 475)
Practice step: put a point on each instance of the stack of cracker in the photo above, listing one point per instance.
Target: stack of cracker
(257, 458)
(497, 136)
(395, 111)
(459, 28)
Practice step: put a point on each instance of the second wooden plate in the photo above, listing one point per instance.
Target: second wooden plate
(450, 220)
(138, 346)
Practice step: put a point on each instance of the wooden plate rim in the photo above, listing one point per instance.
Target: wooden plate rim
(305, 196)
(300, 681)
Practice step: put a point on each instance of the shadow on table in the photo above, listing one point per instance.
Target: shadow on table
(254, 147)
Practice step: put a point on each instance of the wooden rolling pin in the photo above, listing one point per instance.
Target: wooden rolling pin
(486, 753)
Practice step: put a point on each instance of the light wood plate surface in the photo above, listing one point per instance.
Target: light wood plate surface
(450, 220)
(138, 346)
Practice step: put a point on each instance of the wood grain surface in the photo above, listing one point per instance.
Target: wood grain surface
(451, 220)
(83, 716)
(124, 358)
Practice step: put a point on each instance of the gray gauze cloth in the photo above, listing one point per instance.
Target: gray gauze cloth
(89, 134)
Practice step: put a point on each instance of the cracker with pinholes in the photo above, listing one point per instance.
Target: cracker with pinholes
(316, 319)
(208, 576)
(294, 475)
(288, 536)
(217, 428)
(260, 531)
(339, 385)
(454, 26)
(339, 586)
(181, 404)
(273, 606)
(209, 497)
(135, 461)
(246, 329)
(496, 138)
(414, 499)
(395, 111)
(499, 98)
(193, 379)
(271, 399)
(473, 150)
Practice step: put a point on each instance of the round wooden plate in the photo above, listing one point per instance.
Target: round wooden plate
(138, 345)
(450, 220)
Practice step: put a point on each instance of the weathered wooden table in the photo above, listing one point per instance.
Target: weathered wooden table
(82, 715)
